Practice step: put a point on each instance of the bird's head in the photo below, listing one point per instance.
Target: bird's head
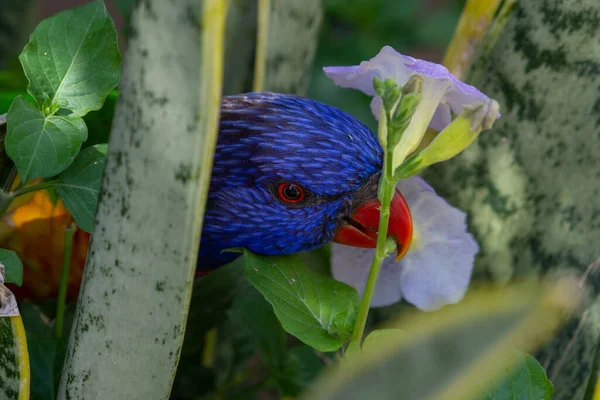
(291, 174)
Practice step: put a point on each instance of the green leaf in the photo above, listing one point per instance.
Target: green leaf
(381, 335)
(79, 185)
(13, 267)
(305, 302)
(41, 146)
(526, 381)
(72, 59)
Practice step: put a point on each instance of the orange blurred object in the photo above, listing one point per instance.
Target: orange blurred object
(34, 228)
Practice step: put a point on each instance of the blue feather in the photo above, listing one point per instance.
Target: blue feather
(265, 139)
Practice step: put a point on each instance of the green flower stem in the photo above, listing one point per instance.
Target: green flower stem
(387, 186)
(210, 346)
(64, 280)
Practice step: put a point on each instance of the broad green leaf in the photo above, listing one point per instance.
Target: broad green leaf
(41, 146)
(525, 381)
(14, 368)
(13, 267)
(305, 302)
(456, 352)
(79, 185)
(72, 59)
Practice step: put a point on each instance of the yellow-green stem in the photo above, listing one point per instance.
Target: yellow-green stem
(210, 345)
(262, 35)
(64, 280)
(387, 187)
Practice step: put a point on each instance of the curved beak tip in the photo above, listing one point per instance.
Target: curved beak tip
(360, 228)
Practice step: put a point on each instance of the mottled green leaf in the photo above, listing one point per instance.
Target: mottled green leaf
(305, 302)
(79, 185)
(41, 146)
(9, 368)
(526, 381)
(72, 59)
(13, 267)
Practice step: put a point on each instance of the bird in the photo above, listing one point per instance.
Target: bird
(291, 174)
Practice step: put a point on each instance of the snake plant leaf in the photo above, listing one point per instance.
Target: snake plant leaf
(132, 309)
(41, 146)
(72, 59)
(78, 186)
(14, 365)
(14, 368)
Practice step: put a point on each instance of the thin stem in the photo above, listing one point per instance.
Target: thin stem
(35, 188)
(210, 345)
(7, 199)
(260, 61)
(387, 187)
(64, 280)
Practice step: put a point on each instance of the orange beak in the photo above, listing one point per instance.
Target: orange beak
(360, 229)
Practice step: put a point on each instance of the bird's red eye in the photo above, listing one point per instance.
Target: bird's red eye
(291, 193)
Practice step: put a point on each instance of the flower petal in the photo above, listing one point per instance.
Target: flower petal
(391, 64)
(437, 269)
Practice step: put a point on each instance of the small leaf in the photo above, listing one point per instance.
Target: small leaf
(305, 302)
(79, 185)
(525, 381)
(72, 59)
(343, 322)
(13, 267)
(375, 337)
(382, 335)
(41, 146)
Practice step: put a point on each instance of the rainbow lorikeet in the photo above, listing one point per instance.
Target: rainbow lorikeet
(290, 174)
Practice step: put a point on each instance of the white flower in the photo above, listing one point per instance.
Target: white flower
(437, 268)
(443, 94)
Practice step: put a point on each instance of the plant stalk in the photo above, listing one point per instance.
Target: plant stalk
(387, 186)
(64, 280)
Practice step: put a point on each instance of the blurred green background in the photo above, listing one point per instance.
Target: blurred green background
(355, 30)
